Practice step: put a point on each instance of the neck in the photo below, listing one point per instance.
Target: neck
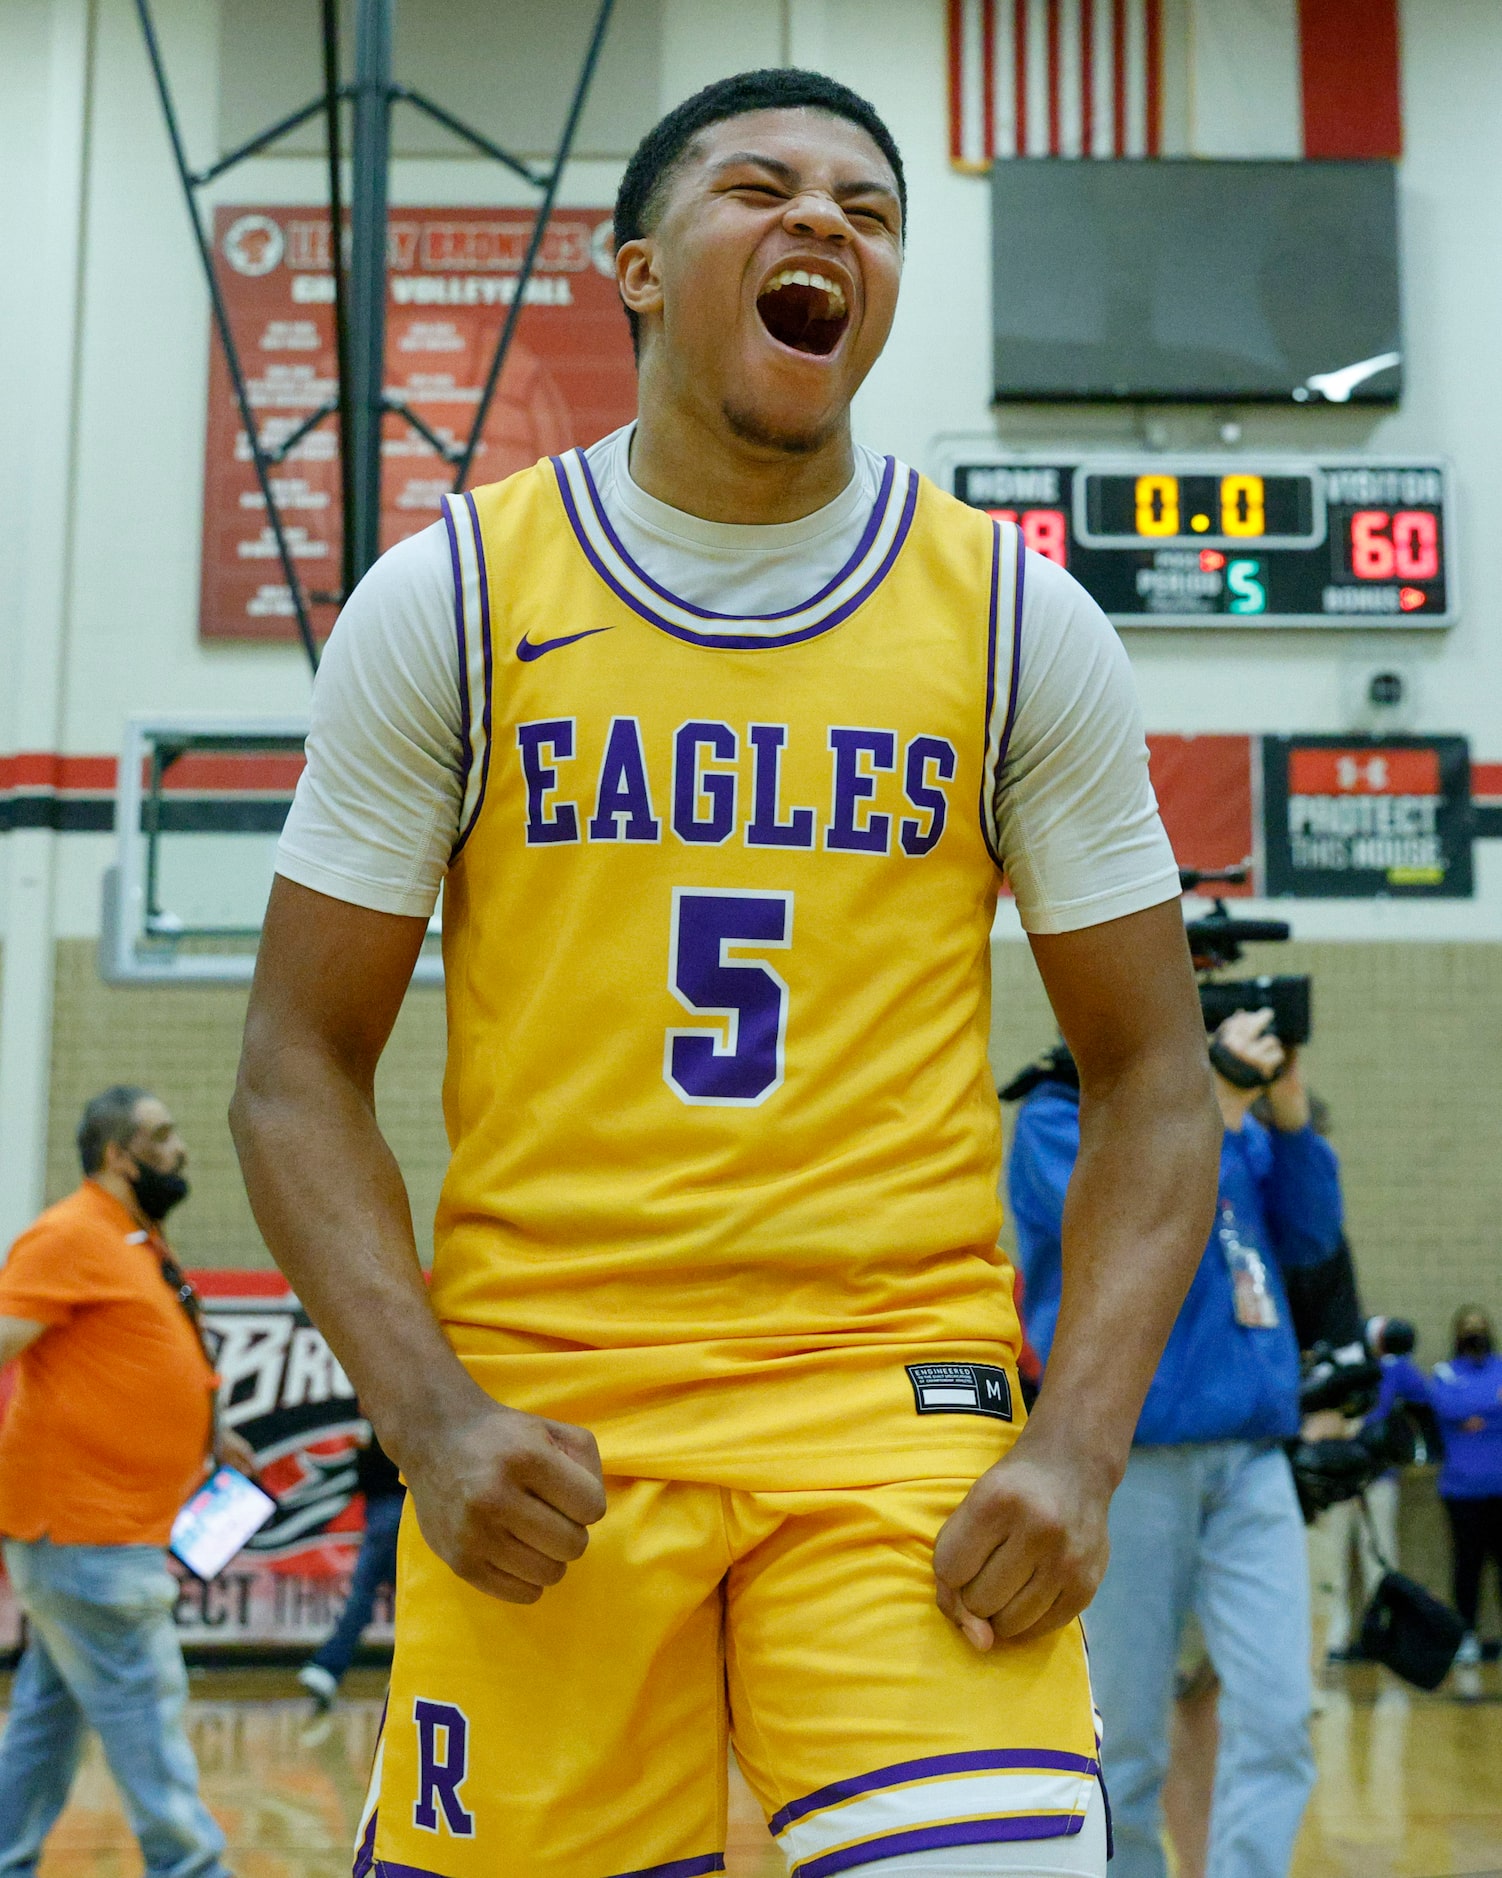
(119, 1188)
(694, 462)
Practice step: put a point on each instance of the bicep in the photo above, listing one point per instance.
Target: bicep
(330, 978)
(1122, 991)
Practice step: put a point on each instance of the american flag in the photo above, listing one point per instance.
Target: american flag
(1054, 78)
(1086, 78)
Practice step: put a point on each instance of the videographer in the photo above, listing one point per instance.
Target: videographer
(1206, 1519)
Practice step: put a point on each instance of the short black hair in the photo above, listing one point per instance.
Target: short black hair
(108, 1116)
(638, 201)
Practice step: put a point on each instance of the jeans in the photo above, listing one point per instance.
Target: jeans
(1214, 1529)
(101, 1653)
(375, 1566)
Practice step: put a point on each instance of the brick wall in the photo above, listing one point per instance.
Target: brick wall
(183, 1043)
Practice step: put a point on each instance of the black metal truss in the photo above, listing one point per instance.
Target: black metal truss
(360, 280)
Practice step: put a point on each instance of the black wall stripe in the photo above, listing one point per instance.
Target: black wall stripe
(225, 815)
(95, 815)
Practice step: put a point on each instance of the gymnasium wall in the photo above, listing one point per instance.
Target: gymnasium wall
(1407, 1051)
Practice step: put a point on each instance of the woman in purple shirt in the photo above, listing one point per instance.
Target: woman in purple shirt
(1466, 1396)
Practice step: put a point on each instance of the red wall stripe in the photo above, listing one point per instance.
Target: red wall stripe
(1118, 77)
(988, 78)
(1055, 79)
(956, 85)
(1019, 72)
(1204, 790)
(1351, 78)
(1087, 77)
(1153, 52)
(47, 769)
(33, 772)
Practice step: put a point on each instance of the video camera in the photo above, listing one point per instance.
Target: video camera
(1348, 1379)
(1216, 941)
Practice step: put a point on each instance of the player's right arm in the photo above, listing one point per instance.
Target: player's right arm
(504, 1498)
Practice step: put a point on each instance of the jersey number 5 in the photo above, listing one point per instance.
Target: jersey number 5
(738, 1061)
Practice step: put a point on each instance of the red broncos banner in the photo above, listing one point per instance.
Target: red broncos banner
(280, 1387)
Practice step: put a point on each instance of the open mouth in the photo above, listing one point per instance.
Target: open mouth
(804, 309)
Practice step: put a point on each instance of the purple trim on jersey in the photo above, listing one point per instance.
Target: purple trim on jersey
(862, 547)
(931, 1838)
(1006, 730)
(735, 642)
(388, 1868)
(934, 1767)
(484, 579)
(467, 757)
(985, 739)
(680, 1867)
(365, 1850)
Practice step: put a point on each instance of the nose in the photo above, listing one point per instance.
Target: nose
(817, 216)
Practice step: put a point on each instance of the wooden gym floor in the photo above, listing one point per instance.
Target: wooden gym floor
(1410, 1785)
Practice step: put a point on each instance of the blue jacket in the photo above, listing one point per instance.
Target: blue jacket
(1217, 1381)
(1465, 1389)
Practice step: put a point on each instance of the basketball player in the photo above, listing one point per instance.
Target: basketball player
(717, 737)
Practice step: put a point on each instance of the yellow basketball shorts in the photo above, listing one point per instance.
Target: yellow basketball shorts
(586, 1736)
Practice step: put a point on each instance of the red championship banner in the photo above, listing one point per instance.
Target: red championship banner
(569, 379)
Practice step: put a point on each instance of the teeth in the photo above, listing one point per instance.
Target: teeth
(804, 277)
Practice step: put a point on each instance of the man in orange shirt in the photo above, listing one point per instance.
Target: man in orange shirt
(106, 1436)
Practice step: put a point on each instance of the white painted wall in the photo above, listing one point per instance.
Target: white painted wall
(105, 347)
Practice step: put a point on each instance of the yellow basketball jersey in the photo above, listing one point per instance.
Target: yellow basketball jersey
(716, 942)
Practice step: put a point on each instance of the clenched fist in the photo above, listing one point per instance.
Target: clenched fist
(1025, 1550)
(506, 1500)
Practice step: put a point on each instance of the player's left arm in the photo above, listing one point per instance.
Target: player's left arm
(1027, 1548)
(1097, 890)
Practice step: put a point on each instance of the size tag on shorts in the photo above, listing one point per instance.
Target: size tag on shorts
(961, 1389)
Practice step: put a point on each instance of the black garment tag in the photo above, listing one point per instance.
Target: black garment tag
(961, 1389)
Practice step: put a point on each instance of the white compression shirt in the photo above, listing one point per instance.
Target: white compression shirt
(376, 813)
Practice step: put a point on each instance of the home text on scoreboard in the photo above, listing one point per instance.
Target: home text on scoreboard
(1231, 540)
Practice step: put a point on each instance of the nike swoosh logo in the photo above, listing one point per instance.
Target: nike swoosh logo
(533, 649)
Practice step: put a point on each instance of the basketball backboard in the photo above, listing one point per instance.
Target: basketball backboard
(199, 804)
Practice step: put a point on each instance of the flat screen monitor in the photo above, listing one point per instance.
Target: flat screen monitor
(1184, 279)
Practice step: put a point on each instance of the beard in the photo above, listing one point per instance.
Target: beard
(749, 427)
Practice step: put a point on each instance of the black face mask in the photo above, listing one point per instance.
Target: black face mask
(1473, 1343)
(157, 1193)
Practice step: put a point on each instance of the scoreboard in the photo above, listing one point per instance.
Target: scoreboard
(1160, 540)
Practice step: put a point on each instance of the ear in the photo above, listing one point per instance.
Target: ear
(636, 275)
(117, 1161)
